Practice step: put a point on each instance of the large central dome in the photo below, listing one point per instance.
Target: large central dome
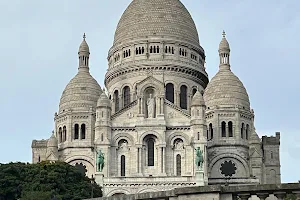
(156, 18)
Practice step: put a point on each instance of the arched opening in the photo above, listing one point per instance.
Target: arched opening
(83, 130)
(242, 130)
(170, 92)
(123, 165)
(126, 95)
(60, 135)
(64, 134)
(183, 97)
(211, 130)
(116, 98)
(223, 129)
(247, 131)
(150, 149)
(39, 159)
(76, 132)
(194, 91)
(178, 165)
(271, 155)
(230, 129)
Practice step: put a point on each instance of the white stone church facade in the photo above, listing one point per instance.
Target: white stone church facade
(158, 108)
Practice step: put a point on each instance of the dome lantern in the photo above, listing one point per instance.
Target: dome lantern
(224, 53)
(84, 55)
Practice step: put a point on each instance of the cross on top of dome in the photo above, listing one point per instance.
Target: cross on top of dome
(224, 34)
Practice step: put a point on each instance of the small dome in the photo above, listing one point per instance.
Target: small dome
(225, 89)
(52, 142)
(84, 47)
(224, 45)
(103, 100)
(81, 93)
(254, 139)
(197, 99)
(156, 18)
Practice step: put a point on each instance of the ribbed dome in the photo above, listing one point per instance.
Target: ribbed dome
(146, 18)
(198, 99)
(224, 45)
(103, 100)
(225, 89)
(84, 47)
(82, 92)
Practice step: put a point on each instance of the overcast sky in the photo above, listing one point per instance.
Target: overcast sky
(39, 42)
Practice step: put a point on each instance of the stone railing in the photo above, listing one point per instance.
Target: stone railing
(218, 192)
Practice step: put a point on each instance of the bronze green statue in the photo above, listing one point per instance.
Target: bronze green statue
(100, 161)
(199, 158)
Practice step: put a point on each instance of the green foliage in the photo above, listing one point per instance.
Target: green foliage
(290, 197)
(43, 180)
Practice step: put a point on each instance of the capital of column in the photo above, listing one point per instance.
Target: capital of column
(280, 195)
(244, 196)
(262, 196)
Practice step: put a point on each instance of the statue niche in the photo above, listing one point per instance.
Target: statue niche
(150, 103)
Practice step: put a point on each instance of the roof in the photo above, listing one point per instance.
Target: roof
(153, 18)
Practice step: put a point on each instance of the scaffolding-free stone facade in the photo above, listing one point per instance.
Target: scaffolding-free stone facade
(158, 108)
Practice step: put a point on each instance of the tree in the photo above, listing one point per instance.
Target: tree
(40, 181)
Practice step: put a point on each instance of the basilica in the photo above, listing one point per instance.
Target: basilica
(158, 122)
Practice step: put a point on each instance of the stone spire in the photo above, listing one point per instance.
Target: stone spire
(224, 53)
(84, 55)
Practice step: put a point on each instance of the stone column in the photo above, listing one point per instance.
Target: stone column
(262, 196)
(164, 159)
(157, 107)
(162, 105)
(142, 106)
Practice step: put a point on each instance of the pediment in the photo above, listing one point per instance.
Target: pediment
(150, 81)
(52, 157)
(254, 153)
(175, 115)
(126, 115)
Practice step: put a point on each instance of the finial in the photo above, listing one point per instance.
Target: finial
(224, 34)
(84, 36)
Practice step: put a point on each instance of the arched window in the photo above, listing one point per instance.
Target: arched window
(183, 97)
(150, 145)
(123, 165)
(247, 131)
(60, 135)
(83, 129)
(242, 130)
(143, 50)
(194, 91)
(211, 130)
(223, 129)
(157, 49)
(76, 132)
(178, 165)
(230, 129)
(126, 95)
(150, 49)
(39, 159)
(166, 49)
(271, 155)
(64, 134)
(170, 92)
(116, 97)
